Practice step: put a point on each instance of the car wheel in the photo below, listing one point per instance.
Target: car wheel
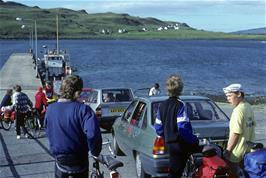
(117, 150)
(139, 168)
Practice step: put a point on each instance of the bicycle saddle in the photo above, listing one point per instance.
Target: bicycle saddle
(110, 162)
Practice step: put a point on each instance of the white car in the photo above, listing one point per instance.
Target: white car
(107, 103)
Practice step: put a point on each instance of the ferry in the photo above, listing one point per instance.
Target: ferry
(54, 65)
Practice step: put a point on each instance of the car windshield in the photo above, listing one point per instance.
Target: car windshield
(116, 95)
(197, 110)
(88, 96)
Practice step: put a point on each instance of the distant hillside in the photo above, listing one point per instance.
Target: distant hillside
(74, 23)
(256, 31)
(82, 25)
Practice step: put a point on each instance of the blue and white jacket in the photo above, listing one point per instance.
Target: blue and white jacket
(172, 122)
(21, 102)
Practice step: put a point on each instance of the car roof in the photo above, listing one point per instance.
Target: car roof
(88, 89)
(111, 88)
(162, 98)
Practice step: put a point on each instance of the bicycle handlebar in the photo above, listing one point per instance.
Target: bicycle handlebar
(254, 145)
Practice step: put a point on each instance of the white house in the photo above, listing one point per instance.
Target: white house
(160, 28)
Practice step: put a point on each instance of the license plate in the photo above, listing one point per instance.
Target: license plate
(117, 109)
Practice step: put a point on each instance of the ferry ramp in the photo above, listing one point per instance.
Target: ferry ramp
(19, 70)
(30, 158)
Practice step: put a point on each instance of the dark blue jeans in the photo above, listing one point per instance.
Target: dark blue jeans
(59, 173)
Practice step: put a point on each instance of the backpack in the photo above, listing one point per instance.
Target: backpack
(213, 166)
(255, 163)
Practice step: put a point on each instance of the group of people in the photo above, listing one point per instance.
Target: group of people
(82, 132)
(73, 129)
(173, 124)
(20, 103)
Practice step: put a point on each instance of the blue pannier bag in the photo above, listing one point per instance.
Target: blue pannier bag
(255, 164)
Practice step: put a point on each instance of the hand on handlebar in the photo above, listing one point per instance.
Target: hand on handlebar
(226, 154)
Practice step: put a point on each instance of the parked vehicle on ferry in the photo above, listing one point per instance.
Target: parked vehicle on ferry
(108, 103)
(134, 134)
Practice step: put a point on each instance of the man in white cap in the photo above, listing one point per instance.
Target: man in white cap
(242, 127)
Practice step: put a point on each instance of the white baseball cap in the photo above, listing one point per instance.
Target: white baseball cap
(236, 87)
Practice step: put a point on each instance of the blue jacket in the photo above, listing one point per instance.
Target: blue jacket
(172, 122)
(72, 129)
(6, 101)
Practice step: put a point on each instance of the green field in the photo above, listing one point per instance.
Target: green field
(81, 25)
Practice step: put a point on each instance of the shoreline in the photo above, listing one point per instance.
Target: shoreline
(137, 38)
(256, 107)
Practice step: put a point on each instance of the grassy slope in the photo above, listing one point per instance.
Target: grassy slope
(80, 25)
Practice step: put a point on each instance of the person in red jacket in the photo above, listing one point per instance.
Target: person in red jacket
(48, 89)
(40, 102)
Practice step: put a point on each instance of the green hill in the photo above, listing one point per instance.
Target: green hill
(81, 25)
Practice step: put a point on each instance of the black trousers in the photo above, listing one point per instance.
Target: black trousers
(179, 154)
(20, 117)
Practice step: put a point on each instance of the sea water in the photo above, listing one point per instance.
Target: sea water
(206, 66)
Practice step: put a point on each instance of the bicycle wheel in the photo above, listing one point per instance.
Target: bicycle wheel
(96, 174)
(30, 126)
(37, 124)
(6, 123)
(190, 168)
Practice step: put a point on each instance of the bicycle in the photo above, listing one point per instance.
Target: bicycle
(7, 119)
(32, 123)
(108, 161)
(208, 163)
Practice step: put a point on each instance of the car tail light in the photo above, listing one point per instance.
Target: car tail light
(114, 174)
(158, 146)
(98, 112)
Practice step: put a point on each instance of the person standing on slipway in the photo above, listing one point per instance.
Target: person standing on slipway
(72, 130)
(155, 90)
(7, 100)
(40, 103)
(22, 105)
(172, 123)
(242, 127)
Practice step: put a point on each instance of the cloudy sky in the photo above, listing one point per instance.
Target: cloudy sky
(213, 15)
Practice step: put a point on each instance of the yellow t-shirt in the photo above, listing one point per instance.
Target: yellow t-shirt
(242, 122)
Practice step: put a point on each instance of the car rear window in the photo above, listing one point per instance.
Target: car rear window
(204, 110)
(197, 110)
(88, 96)
(116, 95)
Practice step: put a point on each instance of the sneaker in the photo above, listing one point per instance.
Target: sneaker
(26, 135)
(18, 137)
